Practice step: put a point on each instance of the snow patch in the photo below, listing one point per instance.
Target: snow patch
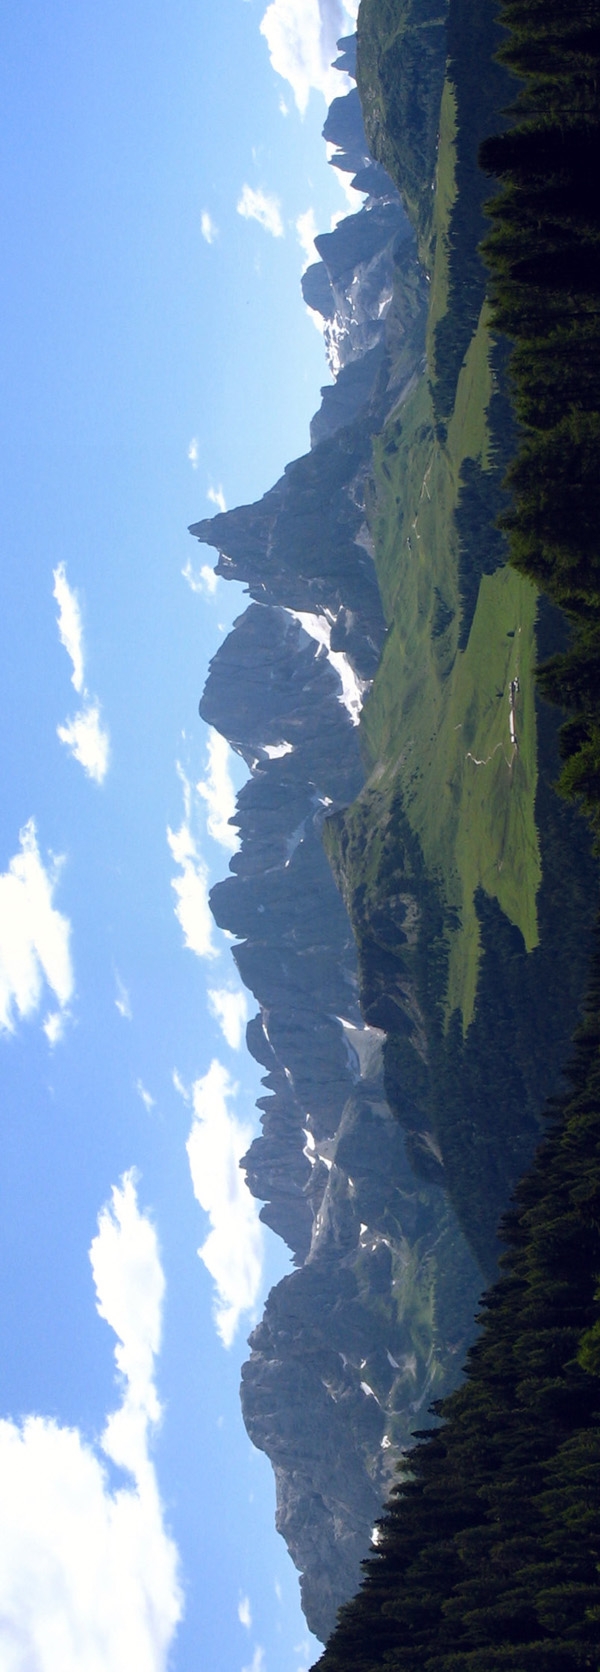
(353, 689)
(294, 841)
(363, 1043)
(309, 1149)
(276, 751)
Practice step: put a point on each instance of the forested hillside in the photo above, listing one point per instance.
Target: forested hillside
(489, 1555)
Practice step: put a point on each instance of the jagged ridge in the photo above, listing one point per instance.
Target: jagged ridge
(353, 1344)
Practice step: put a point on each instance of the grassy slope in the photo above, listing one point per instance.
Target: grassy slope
(436, 726)
(458, 907)
(445, 193)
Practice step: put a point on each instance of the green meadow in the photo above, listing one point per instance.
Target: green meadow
(436, 726)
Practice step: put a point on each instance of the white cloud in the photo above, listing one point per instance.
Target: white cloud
(192, 452)
(207, 227)
(89, 1575)
(301, 36)
(245, 1613)
(54, 1027)
(122, 1001)
(88, 741)
(218, 792)
(354, 198)
(148, 1100)
(259, 206)
(317, 320)
(258, 1661)
(217, 497)
(69, 623)
(232, 1252)
(179, 1085)
(130, 1288)
(204, 581)
(231, 1012)
(191, 888)
(84, 735)
(307, 229)
(34, 937)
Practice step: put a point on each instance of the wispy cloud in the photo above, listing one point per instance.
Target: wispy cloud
(260, 206)
(202, 580)
(84, 734)
(54, 1027)
(245, 1613)
(148, 1100)
(193, 452)
(191, 887)
(307, 229)
(34, 938)
(208, 228)
(122, 1000)
(230, 1010)
(301, 36)
(217, 790)
(70, 625)
(354, 199)
(88, 741)
(306, 1651)
(258, 1661)
(130, 1288)
(88, 1575)
(232, 1252)
(217, 497)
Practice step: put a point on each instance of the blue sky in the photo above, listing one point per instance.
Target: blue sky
(162, 167)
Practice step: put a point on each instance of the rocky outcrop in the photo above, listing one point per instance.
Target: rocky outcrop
(337, 1371)
(275, 694)
(354, 1346)
(302, 546)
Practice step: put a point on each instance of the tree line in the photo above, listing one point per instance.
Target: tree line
(544, 256)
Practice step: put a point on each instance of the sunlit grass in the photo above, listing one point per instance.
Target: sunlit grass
(436, 725)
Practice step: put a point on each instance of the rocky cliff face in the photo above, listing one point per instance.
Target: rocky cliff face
(305, 546)
(375, 1318)
(355, 1344)
(367, 285)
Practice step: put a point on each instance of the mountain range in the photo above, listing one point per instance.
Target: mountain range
(379, 1161)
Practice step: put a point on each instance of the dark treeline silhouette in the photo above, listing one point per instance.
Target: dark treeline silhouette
(482, 88)
(544, 254)
(400, 69)
(483, 547)
(489, 1555)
